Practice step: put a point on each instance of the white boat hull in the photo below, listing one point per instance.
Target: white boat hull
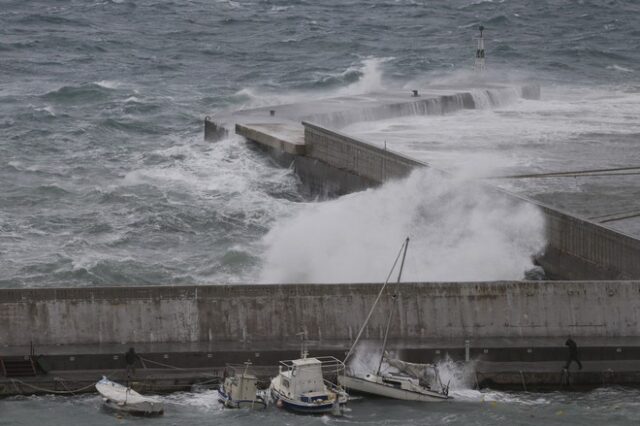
(120, 398)
(228, 402)
(298, 406)
(373, 388)
(139, 409)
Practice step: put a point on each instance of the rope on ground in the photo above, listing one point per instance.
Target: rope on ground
(161, 364)
(65, 386)
(14, 381)
(206, 382)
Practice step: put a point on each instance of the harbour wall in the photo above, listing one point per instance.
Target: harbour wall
(577, 249)
(330, 313)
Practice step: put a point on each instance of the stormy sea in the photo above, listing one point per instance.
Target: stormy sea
(106, 180)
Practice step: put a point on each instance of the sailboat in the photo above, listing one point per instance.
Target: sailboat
(124, 399)
(412, 381)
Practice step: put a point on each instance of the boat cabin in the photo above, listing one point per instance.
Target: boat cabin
(241, 387)
(303, 377)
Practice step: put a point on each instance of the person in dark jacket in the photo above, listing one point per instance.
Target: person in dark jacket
(573, 354)
(131, 357)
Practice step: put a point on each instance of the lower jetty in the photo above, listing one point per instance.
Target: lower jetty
(502, 334)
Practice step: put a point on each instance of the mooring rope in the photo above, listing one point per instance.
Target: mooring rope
(160, 364)
(14, 381)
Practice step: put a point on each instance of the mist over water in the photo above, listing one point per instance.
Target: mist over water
(458, 229)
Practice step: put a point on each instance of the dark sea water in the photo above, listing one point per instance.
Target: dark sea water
(614, 406)
(105, 178)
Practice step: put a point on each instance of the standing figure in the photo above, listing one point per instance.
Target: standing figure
(573, 354)
(131, 357)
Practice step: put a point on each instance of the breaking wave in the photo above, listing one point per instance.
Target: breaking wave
(458, 230)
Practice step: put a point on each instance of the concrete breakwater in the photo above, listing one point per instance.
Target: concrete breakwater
(330, 313)
(331, 162)
(511, 331)
(576, 247)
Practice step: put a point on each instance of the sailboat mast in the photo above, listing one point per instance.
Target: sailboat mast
(375, 303)
(404, 255)
(393, 305)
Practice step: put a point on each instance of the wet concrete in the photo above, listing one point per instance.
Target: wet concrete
(521, 364)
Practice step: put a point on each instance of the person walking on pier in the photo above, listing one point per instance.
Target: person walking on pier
(573, 354)
(131, 357)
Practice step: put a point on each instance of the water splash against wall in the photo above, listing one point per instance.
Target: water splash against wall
(458, 230)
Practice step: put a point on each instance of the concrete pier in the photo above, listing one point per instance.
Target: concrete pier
(335, 163)
(191, 332)
(287, 138)
(326, 312)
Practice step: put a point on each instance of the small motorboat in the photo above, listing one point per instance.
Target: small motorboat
(124, 399)
(239, 389)
(300, 386)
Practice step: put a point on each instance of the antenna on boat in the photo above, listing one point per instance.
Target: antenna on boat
(303, 347)
(393, 305)
(479, 64)
(404, 246)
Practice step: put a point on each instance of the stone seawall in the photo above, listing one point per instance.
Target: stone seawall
(355, 156)
(577, 248)
(327, 312)
(598, 252)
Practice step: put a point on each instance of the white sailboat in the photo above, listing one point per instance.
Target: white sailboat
(412, 382)
(124, 399)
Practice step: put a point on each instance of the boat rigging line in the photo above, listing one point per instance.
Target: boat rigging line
(393, 305)
(403, 252)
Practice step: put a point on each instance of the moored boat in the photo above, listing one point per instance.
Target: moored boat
(239, 389)
(124, 399)
(395, 386)
(300, 386)
(412, 382)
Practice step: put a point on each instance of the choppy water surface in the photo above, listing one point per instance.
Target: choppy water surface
(602, 406)
(105, 179)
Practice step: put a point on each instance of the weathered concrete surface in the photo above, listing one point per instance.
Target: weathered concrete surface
(529, 376)
(356, 156)
(319, 178)
(515, 330)
(576, 248)
(335, 163)
(586, 250)
(340, 111)
(276, 313)
(284, 137)
(83, 381)
(525, 376)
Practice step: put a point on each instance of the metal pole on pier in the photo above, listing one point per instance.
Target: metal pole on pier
(479, 65)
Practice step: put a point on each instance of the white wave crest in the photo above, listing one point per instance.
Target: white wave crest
(459, 231)
(619, 68)
(108, 84)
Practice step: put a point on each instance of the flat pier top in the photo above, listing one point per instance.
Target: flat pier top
(279, 126)
(305, 110)
(301, 111)
(285, 137)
